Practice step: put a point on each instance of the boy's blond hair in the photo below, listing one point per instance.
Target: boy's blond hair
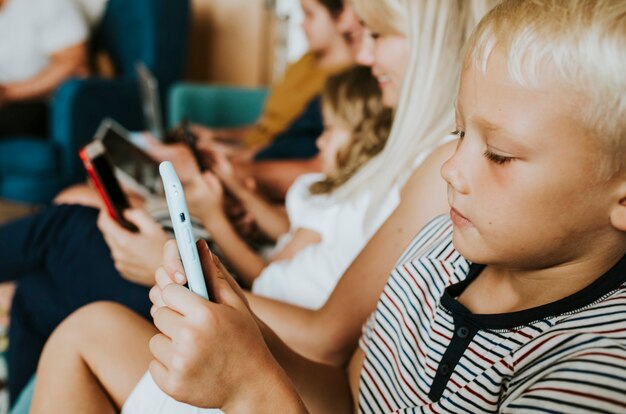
(355, 100)
(583, 42)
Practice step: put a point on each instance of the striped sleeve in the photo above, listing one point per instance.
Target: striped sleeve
(591, 380)
(366, 334)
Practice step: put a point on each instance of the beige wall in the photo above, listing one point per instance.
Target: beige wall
(229, 42)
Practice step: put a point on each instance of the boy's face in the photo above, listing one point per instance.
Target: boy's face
(523, 184)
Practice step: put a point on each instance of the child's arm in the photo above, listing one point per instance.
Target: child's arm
(271, 219)
(205, 199)
(301, 239)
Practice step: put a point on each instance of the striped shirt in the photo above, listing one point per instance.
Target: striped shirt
(425, 352)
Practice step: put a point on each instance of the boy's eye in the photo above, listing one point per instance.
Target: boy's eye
(460, 134)
(498, 159)
(374, 36)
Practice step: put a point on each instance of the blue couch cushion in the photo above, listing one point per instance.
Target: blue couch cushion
(29, 156)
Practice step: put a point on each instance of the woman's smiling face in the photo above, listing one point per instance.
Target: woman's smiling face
(388, 56)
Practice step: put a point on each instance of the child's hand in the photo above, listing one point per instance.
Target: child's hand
(205, 196)
(204, 136)
(203, 345)
(222, 167)
(178, 154)
(136, 255)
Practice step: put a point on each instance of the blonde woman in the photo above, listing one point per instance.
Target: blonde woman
(436, 33)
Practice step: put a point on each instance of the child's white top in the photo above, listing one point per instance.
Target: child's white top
(308, 278)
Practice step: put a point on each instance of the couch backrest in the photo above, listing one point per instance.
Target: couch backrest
(152, 31)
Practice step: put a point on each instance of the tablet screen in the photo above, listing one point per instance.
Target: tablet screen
(128, 158)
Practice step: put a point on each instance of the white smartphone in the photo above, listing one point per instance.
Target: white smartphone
(181, 222)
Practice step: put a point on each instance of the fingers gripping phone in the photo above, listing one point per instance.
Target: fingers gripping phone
(179, 214)
(101, 173)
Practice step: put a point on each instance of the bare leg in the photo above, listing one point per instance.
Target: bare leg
(82, 194)
(92, 361)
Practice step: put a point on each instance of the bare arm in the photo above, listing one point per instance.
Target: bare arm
(323, 388)
(207, 136)
(333, 330)
(245, 262)
(301, 239)
(275, 177)
(65, 63)
(271, 218)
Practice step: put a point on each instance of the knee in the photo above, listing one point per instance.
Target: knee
(88, 325)
(81, 194)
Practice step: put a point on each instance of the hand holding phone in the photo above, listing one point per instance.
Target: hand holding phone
(181, 222)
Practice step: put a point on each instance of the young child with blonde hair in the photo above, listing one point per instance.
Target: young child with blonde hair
(317, 235)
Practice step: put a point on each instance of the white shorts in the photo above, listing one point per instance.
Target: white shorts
(148, 398)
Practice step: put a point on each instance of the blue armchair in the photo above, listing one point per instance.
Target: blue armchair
(152, 31)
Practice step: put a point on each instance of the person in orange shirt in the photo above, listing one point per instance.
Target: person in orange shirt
(303, 80)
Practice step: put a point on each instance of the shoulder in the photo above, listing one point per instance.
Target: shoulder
(571, 369)
(429, 170)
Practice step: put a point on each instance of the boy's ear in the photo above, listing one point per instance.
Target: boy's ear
(618, 213)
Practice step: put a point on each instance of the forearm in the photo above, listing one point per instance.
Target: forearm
(323, 388)
(275, 393)
(316, 342)
(274, 178)
(45, 82)
(271, 219)
(246, 263)
(232, 135)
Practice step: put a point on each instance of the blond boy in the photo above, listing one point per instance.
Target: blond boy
(514, 303)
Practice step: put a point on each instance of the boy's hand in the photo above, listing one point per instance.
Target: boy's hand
(207, 354)
(136, 255)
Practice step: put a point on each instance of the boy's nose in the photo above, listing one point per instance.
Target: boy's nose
(453, 175)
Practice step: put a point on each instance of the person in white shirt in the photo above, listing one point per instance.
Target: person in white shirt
(47, 46)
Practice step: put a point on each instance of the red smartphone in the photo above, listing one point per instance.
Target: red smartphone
(100, 171)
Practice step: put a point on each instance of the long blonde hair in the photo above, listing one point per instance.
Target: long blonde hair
(354, 98)
(437, 32)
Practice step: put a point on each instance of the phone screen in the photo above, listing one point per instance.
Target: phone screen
(101, 172)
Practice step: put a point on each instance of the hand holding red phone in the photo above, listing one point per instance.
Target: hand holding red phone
(136, 255)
